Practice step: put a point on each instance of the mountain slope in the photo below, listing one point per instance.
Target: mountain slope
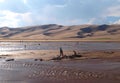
(53, 31)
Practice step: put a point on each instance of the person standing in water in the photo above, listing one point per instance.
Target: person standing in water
(61, 52)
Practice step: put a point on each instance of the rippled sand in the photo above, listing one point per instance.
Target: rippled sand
(91, 67)
(85, 71)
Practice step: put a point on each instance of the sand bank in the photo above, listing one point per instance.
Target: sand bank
(49, 54)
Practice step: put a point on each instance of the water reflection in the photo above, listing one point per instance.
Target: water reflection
(19, 46)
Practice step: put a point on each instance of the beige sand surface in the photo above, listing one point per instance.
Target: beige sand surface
(34, 54)
(49, 54)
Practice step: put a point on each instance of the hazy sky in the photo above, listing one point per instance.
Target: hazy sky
(14, 13)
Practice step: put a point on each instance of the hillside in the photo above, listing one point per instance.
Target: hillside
(59, 32)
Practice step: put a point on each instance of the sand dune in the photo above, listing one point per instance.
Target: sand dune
(56, 32)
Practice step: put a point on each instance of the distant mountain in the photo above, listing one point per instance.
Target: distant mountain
(53, 31)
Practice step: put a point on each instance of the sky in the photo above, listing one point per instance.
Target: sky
(19, 13)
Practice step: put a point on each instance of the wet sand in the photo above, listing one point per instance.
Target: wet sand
(92, 67)
(34, 64)
(86, 71)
